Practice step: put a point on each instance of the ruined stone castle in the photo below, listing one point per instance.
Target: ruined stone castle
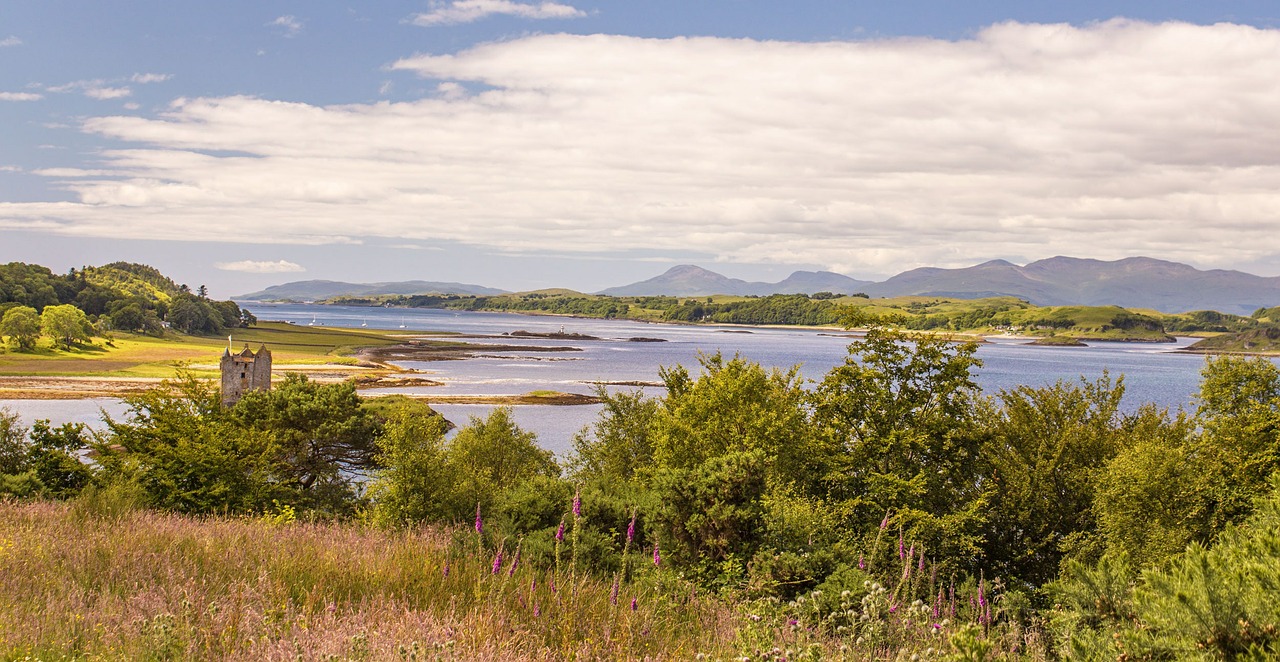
(244, 372)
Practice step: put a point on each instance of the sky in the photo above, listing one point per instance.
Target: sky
(587, 144)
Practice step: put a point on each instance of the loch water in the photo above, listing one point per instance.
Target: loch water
(1152, 372)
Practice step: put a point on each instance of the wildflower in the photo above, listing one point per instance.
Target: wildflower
(560, 531)
(577, 504)
(884, 523)
(657, 559)
(479, 522)
(613, 593)
(920, 567)
(631, 528)
(537, 610)
(515, 560)
(497, 562)
(446, 569)
(633, 604)
(862, 565)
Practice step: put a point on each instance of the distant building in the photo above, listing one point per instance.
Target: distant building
(244, 372)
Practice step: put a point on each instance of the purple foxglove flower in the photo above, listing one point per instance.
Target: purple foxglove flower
(657, 558)
(633, 604)
(921, 566)
(631, 528)
(884, 523)
(515, 560)
(577, 504)
(497, 562)
(560, 531)
(982, 593)
(537, 610)
(613, 593)
(862, 565)
(479, 522)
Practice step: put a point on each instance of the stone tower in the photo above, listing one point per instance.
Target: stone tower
(244, 372)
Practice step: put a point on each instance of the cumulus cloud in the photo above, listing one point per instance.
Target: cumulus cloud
(10, 41)
(289, 24)
(866, 157)
(20, 96)
(468, 11)
(261, 267)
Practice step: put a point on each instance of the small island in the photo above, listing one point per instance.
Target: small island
(1057, 341)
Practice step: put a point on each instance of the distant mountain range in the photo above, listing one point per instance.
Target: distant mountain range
(317, 290)
(687, 280)
(1137, 282)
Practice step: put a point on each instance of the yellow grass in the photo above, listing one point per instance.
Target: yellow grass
(131, 355)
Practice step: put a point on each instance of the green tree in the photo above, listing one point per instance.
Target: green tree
(491, 455)
(619, 445)
(1158, 494)
(735, 406)
(711, 516)
(185, 453)
(1049, 446)
(1213, 602)
(899, 419)
(327, 440)
(1240, 412)
(66, 324)
(415, 484)
(12, 442)
(22, 325)
(191, 315)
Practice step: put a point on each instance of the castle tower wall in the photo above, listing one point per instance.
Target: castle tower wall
(244, 372)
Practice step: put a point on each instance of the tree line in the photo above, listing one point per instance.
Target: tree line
(120, 296)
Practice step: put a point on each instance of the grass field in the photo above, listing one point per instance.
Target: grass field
(130, 355)
(73, 587)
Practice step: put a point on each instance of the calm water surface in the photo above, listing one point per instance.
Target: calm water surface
(1151, 371)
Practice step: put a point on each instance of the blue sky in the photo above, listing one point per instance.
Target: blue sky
(589, 144)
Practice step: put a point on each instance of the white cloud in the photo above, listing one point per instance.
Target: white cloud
(10, 41)
(468, 11)
(143, 79)
(20, 96)
(1103, 141)
(261, 267)
(107, 93)
(289, 24)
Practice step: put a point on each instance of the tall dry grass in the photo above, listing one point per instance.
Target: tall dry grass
(151, 586)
